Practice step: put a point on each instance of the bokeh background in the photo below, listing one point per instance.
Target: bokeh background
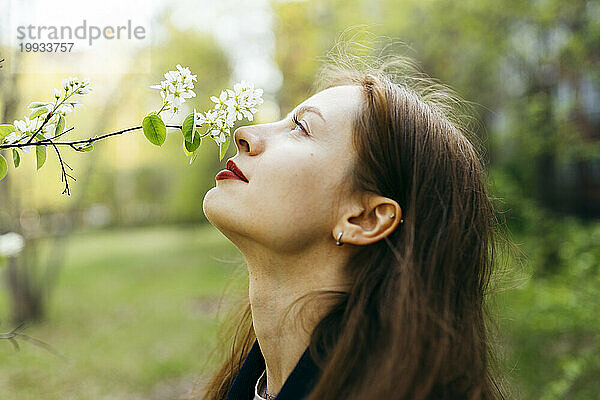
(127, 280)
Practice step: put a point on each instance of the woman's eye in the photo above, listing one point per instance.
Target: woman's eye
(299, 125)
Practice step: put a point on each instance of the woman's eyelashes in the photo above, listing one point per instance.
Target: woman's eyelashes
(299, 124)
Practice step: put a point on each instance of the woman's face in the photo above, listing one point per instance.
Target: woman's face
(294, 178)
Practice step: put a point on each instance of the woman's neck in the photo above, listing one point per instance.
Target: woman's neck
(274, 284)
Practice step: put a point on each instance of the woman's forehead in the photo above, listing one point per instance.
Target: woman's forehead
(335, 104)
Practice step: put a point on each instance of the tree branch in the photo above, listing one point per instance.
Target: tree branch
(73, 144)
(12, 335)
(46, 142)
(64, 174)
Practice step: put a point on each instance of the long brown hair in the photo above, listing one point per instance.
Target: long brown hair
(415, 324)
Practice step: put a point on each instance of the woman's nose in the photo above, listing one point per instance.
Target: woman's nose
(247, 140)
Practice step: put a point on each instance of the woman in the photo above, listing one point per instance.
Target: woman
(368, 200)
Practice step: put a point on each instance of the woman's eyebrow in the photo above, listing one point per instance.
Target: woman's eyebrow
(302, 109)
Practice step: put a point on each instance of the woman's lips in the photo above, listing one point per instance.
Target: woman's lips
(227, 174)
(231, 165)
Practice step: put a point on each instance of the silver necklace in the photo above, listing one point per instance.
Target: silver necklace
(266, 394)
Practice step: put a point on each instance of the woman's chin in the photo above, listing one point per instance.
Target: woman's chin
(211, 206)
(218, 210)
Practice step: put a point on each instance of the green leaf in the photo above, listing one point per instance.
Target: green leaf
(60, 126)
(40, 155)
(154, 129)
(223, 147)
(37, 112)
(3, 167)
(37, 104)
(5, 130)
(187, 128)
(185, 146)
(193, 146)
(16, 157)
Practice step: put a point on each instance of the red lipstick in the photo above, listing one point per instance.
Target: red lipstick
(232, 172)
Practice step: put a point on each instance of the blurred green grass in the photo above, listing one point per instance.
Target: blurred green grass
(135, 312)
(132, 308)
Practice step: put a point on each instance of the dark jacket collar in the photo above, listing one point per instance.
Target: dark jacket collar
(297, 386)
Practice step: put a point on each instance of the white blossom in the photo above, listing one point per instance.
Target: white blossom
(61, 108)
(13, 137)
(48, 131)
(26, 125)
(84, 86)
(75, 85)
(221, 100)
(208, 118)
(45, 123)
(219, 137)
(68, 82)
(11, 244)
(176, 88)
(64, 109)
(230, 106)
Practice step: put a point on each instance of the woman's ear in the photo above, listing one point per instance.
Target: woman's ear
(371, 222)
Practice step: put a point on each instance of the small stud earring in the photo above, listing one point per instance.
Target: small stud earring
(338, 239)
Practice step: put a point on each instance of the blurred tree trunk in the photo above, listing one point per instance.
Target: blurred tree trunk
(26, 297)
(546, 164)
